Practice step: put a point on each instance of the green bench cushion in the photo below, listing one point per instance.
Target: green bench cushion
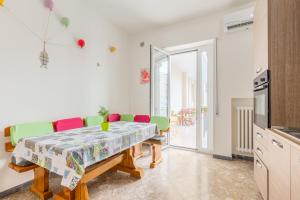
(163, 123)
(94, 120)
(20, 131)
(127, 118)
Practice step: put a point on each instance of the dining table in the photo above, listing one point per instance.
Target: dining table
(72, 153)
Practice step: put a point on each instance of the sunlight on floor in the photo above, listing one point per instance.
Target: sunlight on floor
(183, 136)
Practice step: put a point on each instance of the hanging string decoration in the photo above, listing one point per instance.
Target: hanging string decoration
(65, 21)
(2, 3)
(81, 43)
(44, 58)
(49, 4)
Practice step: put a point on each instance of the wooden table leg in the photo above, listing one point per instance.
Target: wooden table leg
(156, 155)
(41, 183)
(79, 193)
(65, 194)
(128, 165)
(137, 151)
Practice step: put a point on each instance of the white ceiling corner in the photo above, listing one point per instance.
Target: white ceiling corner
(135, 16)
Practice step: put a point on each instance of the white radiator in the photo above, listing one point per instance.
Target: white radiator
(244, 129)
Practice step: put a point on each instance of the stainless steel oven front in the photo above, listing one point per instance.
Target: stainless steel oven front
(262, 111)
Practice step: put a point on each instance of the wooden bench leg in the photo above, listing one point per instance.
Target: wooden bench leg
(156, 155)
(79, 193)
(128, 165)
(40, 185)
(137, 151)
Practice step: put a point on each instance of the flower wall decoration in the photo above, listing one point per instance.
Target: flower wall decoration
(145, 76)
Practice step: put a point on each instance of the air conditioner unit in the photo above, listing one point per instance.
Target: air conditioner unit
(239, 20)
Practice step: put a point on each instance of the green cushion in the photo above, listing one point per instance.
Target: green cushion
(163, 123)
(127, 118)
(94, 120)
(29, 130)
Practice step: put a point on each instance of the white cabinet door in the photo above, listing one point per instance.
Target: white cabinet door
(261, 152)
(261, 176)
(279, 168)
(295, 173)
(260, 135)
(260, 37)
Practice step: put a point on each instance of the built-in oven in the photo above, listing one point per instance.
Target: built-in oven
(262, 111)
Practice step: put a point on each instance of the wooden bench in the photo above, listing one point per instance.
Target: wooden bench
(156, 146)
(123, 162)
(40, 185)
(137, 151)
(8, 145)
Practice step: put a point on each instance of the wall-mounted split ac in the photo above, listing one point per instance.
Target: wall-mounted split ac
(239, 20)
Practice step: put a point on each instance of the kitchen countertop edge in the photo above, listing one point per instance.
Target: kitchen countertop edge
(290, 138)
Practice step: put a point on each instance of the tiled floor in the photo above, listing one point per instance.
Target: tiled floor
(183, 175)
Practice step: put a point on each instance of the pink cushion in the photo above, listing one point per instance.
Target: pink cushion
(67, 124)
(142, 118)
(114, 117)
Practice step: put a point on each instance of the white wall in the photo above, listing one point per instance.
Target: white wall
(73, 85)
(235, 61)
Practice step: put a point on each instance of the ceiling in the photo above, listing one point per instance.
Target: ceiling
(139, 15)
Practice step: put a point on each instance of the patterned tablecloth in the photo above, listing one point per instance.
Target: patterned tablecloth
(68, 153)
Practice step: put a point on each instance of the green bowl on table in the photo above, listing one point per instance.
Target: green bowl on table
(105, 126)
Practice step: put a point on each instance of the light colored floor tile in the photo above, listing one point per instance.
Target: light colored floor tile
(183, 175)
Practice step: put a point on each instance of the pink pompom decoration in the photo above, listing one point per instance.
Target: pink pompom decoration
(81, 43)
(49, 4)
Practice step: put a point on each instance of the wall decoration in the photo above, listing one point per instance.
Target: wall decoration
(44, 58)
(65, 21)
(2, 3)
(145, 76)
(112, 49)
(49, 4)
(81, 43)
